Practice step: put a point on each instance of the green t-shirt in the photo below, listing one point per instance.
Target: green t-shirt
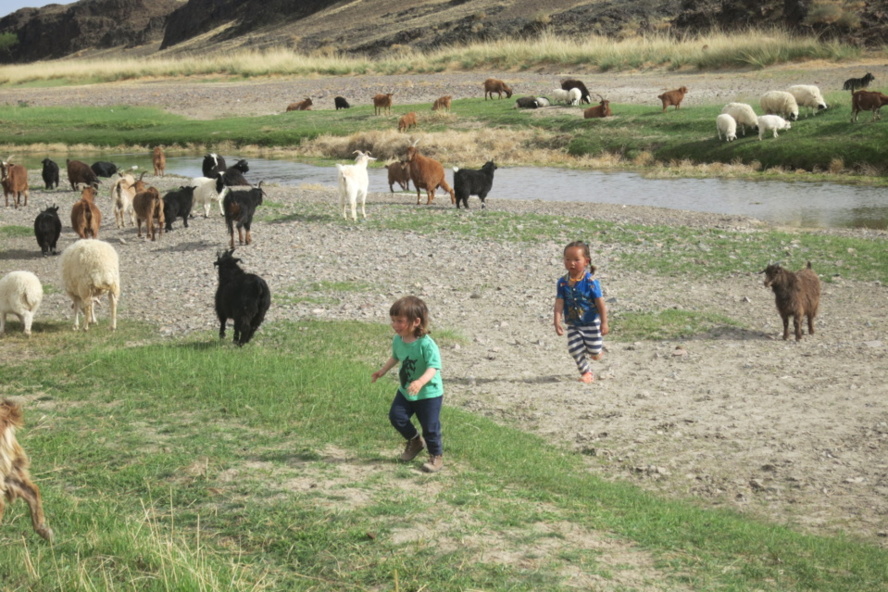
(415, 358)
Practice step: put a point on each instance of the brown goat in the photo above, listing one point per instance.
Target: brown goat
(865, 100)
(796, 295)
(673, 97)
(85, 215)
(493, 85)
(427, 173)
(80, 172)
(398, 172)
(148, 206)
(382, 102)
(602, 109)
(442, 103)
(159, 160)
(14, 178)
(15, 480)
(407, 121)
(303, 105)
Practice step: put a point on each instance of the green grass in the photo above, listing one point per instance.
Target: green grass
(195, 465)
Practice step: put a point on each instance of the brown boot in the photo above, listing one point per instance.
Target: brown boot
(414, 446)
(435, 464)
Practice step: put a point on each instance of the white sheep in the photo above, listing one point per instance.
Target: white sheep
(780, 102)
(743, 114)
(568, 97)
(122, 193)
(206, 191)
(20, 294)
(726, 126)
(808, 95)
(89, 270)
(354, 182)
(772, 122)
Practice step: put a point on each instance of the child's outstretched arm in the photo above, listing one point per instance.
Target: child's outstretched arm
(390, 363)
(602, 315)
(414, 387)
(559, 309)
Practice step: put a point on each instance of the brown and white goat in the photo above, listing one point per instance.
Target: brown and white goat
(407, 121)
(600, 110)
(15, 480)
(303, 105)
(85, 215)
(14, 178)
(442, 103)
(494, 85)
(796, 295)
(382, 102)
(673, 97)
(864, 100)
(427, 173)
(158, 158)
(148, 206)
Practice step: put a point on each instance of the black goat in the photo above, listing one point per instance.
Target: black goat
(243, 297)
(526, 103)
(47, 228)
(796, 295)
(234, 175)
(570, 83)
(854, 84)
(341, 103)
(103, 168)
(213, 164)
(239, 206)
(178, 203)
(468, 182)
(50, 173)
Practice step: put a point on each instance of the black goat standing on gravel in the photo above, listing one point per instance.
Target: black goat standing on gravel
(47, 229)
(468, 182)
(796, 295)
(240, 296)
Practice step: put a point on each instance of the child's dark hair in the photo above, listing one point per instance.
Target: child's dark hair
(412, 308)
(585, 246)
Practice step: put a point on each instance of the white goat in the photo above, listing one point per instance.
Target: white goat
(773, 123)
(208, 190)
(808, 95)
(726, 126)
(20, 294)
(743, 114)
(780, 102)
(353, 182)
(89, 270)
(122, 192)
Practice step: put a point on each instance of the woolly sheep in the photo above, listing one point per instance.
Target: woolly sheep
(773, 123)
(726, 126)
(743, 114)
(89, 270)
(20, 294)
(779, 102)
(568, 97)
(808, 95)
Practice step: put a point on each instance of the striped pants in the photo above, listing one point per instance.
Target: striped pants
(583, 341)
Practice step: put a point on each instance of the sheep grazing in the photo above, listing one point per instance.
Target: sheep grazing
(239, 205)
(864, 100)
(234, 175)
(15, 480)
(158, 158)
(303, 105)
(779, 102)
(398, 172)
(808, 96)
(103, 168)
(240, 296)
(773, 123)
(726, 126)
(80, 173)
(341, 103)
(493, 85)
(407, 121)
(796, 295)
(442, 103)
(569, 83)
(212, 165)
(208, 190)
(149, 207)
(90, 270)
(14, 178)
(353, 183)
(86, 219)
(178, 204)
(47, 229)
(122, 193)
(20, 294)
(568, 97)
(382, 102)
(743, 114)
(468, 182)
(50, 173)
(601, 110)
(527, 103)
(673, 97)
(854, 84)
(426, 173)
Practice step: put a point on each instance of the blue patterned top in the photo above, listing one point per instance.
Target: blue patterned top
(579, 300)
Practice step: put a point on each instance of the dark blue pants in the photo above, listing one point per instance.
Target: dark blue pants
(427, 411)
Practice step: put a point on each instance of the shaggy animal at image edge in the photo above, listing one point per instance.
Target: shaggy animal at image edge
(20, 294)
(864, 100)
(240, 296)
(47, 229)
(467, 182)
(426, 173)
(50, 173)
(90, 269)
(14, 178)
(795, 294)
(15, 479)
(353, 183)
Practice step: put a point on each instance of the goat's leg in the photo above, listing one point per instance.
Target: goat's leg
(363, 203)
(797, 325)
(785, 327)
(810, 325)
(222, 327)
(113, 298)
(240, 236)
(21, 486)
(417, 194)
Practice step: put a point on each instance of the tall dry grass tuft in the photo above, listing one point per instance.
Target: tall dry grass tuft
(836, 166)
